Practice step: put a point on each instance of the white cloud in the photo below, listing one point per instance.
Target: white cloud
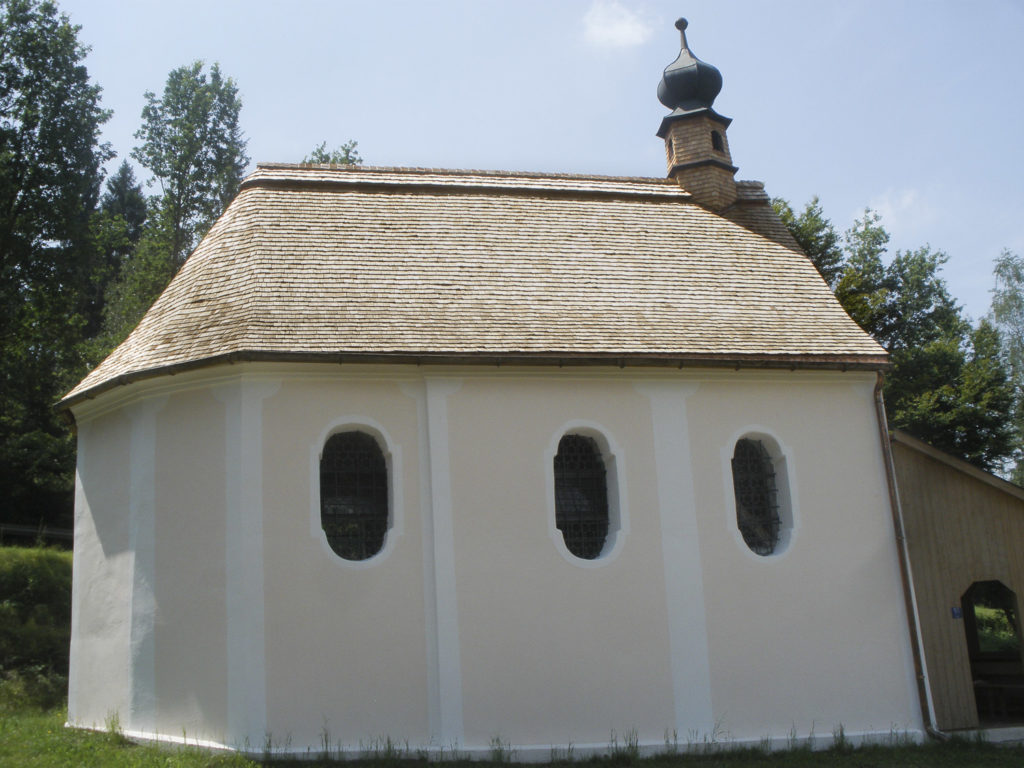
(607, 23)
(910, 215)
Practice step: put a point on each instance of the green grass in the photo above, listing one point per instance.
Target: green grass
(34, 738)
(34, 608)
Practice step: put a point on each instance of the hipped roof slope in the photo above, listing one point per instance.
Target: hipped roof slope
(357, 263)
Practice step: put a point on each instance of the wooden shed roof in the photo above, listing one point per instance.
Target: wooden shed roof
(326, 263)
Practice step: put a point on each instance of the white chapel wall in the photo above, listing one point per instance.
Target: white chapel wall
(191, 653)
(554, 648)
(817, 635)
(345, 643)
(472, 624)
(100, 679)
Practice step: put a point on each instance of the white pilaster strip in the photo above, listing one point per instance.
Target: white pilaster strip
(449, 666)
(684, 586)
(417, 392)
(142, 545)
(246, 650)
(77, 660)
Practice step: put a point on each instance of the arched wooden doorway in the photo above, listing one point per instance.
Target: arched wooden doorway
(992, 624)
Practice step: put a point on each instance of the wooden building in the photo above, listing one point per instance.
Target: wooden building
(965, 530)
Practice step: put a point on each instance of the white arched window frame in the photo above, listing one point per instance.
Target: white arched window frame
(393, 463)
(615, 479)
(785, 483)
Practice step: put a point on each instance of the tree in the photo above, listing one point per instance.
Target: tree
(50, 160)
(861, 286)
(1008, 309)
(1007, 315)
(346, 154)
(955, 395)
(948, 383)
(117, 227)
(143, 277)
(816, 236)
(124, 197)
(193, 146)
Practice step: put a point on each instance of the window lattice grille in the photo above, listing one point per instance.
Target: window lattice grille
(581, 496)
(757, 505)
(354, 495)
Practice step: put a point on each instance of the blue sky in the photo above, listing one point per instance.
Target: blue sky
(913, 108)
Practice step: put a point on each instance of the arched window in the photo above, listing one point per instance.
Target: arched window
(757, 496)
(354, 495)
(716, 142)
(581, 496)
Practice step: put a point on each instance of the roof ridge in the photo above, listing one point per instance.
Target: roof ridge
(495, 173)
(489, 182)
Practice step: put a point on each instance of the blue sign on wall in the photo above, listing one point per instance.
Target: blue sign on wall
(958, 612)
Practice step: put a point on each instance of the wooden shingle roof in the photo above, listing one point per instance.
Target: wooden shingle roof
(355, 263)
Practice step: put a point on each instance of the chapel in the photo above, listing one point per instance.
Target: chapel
(451, 458)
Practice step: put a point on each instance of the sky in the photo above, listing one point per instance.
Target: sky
(914, 109)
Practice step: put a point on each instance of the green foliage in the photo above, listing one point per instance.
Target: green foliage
(1008, 306)
(31, 689)
(193, 146)
(996, 634)
(50, 159)
(1008, 316)
(116, 229)
(143, 276)
(35, 610)
(816, 237)
(861, 288)
(346, 154)
(949, 383)
(955, 395)
(124, 198)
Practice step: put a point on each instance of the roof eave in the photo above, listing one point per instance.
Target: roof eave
(840, 362)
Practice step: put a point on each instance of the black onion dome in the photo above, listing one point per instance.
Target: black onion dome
(688, 82)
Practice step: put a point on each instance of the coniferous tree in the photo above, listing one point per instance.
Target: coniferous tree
(816, 236)
(117, 227)
(949, 384)
(193, 145)
(124, 197)
(50, 161)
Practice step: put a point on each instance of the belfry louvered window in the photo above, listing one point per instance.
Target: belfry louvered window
(581, 496)
(354, 495)
(757, 496)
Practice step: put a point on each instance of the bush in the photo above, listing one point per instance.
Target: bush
(35, 611)
(31, 688)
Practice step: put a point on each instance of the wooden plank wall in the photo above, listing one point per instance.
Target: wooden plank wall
(960, 529)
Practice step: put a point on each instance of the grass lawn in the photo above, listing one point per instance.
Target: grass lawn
(35, 609)
(32, 738)
(35, 739)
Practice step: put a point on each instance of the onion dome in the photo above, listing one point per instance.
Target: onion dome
(688, 83)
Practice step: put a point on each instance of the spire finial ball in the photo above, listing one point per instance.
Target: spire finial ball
(682, 24)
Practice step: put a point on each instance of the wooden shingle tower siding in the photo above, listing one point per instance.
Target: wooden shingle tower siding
(329, 264)
(696, 145)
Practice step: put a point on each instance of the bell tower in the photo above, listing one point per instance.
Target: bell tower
(696, 146)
